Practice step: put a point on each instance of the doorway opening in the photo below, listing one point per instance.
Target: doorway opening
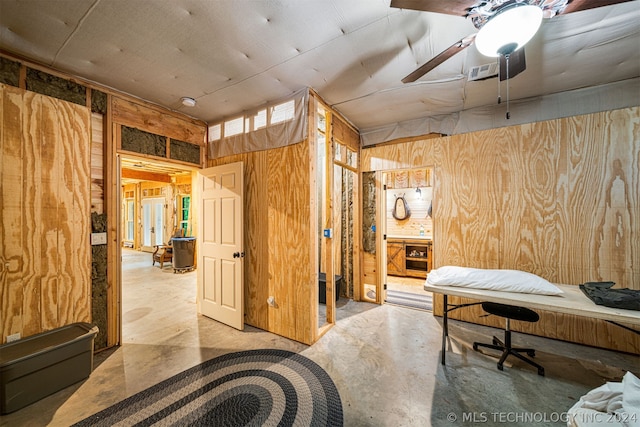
(406, 215)
(155, 206)
(337, 211)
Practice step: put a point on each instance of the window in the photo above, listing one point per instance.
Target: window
(183, 214)
(234, 127)
(130, 220)
(271, 125)
(260, 120)
(215, 132)
(283, 112)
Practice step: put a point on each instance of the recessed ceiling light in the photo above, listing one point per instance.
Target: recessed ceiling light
(188, 102)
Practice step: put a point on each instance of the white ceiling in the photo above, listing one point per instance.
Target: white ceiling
(234, 55)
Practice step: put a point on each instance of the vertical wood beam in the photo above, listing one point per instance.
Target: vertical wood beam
(328, 248)
(314, 266)
(357, 232)
(113, 217)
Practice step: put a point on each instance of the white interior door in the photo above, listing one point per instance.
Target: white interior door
(220, 244)
(152, 223)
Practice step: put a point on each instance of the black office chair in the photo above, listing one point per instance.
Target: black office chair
(510, 312)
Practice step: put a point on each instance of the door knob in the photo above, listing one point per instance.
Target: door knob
(238, 254)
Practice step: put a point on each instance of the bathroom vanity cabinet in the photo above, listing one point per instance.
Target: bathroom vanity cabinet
(408, 257)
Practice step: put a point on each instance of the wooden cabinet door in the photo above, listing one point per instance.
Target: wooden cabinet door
(395, 259)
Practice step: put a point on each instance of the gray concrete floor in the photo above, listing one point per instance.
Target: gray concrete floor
(385, 361)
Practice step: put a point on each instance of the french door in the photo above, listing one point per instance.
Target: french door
(152, 223)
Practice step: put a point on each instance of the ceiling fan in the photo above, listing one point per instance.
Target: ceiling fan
(504, 27)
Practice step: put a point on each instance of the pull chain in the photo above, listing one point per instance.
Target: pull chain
(507, 65)
(499, 97)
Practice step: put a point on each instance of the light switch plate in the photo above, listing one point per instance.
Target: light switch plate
(98, 239)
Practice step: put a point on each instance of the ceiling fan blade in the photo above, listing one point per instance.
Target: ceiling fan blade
(439, 59)
(449, 7)
(517, 64)
(578, 5)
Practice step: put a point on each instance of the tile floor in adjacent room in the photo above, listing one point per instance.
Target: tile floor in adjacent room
(384, 360)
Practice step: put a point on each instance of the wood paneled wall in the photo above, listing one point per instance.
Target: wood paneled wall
(45, 198)
(277, 236)
(559, 198)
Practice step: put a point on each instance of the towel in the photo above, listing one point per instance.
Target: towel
(617, 403)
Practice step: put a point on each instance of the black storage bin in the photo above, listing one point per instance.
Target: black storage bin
(37, 366)
(322, 288)
(184, 249)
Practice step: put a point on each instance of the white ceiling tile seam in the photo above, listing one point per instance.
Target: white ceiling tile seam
(75, 30)
(296, 56)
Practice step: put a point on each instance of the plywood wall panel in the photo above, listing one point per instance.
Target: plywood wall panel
(528, 206)
(46, 266)
(78, 307)
(614, 337)
(407, 155)
(35, 199)
(257, 198)
(257, 242)
(289, 204)
(468, 211)
(11, 203)
(579, 195)
(369, 269)
(601, 180)
(622, 226)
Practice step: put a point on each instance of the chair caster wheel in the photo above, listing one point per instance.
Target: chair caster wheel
(475, 347)
(531, 353)
(541, 372)
(500, 367)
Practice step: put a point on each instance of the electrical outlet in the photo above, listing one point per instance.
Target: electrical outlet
(14, 337)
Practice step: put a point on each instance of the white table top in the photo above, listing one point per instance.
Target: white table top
(573, 301)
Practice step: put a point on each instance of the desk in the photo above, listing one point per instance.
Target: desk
(573, 301)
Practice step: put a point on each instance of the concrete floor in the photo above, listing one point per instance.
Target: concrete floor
(385, 361)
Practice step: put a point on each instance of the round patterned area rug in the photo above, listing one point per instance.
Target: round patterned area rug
(247, 388)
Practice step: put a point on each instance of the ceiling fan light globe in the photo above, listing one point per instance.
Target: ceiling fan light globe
(514, 26)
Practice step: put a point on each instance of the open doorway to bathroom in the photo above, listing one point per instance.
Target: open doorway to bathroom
(408, 198)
